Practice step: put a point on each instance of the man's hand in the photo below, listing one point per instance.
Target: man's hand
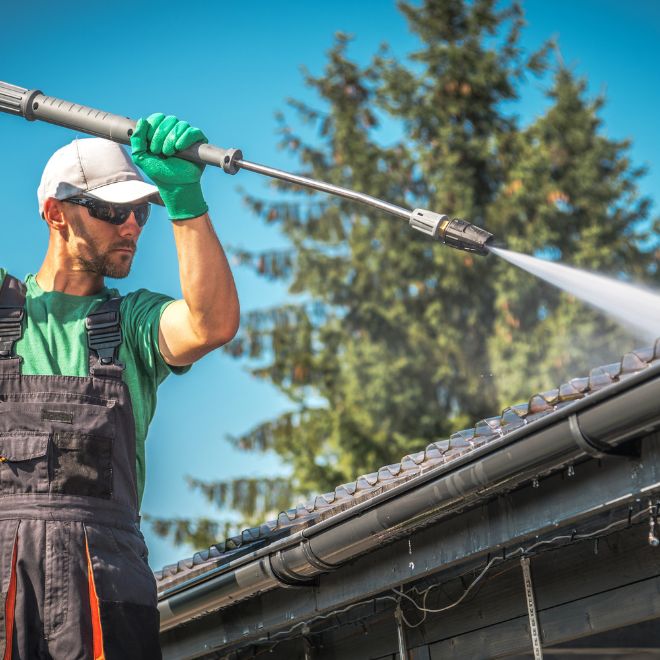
(154, 144)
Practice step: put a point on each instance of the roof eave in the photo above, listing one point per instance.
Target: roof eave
(603, 420)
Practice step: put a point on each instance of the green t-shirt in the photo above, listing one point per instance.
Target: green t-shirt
(54, 343)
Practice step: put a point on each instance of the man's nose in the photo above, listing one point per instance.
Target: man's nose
(130, 227)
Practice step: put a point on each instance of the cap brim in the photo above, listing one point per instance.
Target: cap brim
(125, 192)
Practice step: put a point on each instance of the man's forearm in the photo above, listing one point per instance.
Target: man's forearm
(208, 315)
(207, 283)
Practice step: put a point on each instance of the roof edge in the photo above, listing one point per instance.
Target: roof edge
(605, 419)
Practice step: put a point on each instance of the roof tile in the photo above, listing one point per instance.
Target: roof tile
(580, 384)
(539, 404)
(457, 440)
(599, 378)
(346, 491)
(632, 363)
(551, 396)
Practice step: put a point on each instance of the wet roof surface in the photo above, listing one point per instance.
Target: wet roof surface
(411, 466)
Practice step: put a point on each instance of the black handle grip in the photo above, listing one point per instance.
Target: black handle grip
(33, 104)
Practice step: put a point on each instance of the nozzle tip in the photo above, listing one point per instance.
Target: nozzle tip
(456, 233)
(465, 236)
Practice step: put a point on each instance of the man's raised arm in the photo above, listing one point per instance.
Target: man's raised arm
(208, 315)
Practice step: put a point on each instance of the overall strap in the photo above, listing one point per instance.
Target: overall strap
(104, 338)
(12, 312)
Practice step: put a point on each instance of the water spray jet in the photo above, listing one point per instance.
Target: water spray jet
(632, 306)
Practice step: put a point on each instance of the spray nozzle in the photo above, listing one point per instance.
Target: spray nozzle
(457, 233)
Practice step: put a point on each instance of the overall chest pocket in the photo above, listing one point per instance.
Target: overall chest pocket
(24, 463)
(56, 447)
(81, 464)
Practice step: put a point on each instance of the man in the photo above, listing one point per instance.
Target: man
(79, 370)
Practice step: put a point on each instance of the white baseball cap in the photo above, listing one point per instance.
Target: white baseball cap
(97, 168)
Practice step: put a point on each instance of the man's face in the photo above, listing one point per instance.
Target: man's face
(99, 247)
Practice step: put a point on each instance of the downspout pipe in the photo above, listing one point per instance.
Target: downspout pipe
(602, 420)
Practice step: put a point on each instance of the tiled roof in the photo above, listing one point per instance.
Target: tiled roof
(411, 466)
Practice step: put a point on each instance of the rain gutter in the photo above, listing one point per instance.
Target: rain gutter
(592, 426)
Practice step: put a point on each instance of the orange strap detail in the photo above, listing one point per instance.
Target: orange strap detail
(10, 604)
(97, 630)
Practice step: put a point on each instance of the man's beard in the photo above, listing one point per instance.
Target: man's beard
(100, 263)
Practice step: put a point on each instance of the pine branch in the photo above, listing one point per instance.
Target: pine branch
(197, 534)
(272, 264)
(253, 498)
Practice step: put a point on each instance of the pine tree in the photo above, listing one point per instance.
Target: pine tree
(570, 194)
(398, 337)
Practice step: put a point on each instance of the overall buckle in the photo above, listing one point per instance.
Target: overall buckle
(11, 329)
(104, 335)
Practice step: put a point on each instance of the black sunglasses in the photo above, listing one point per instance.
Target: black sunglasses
(115, 214)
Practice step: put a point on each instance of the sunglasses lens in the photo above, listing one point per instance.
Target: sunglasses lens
(141, 214)
(118, 214)
(112, 213)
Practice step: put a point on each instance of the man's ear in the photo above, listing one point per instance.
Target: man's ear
(54, 216)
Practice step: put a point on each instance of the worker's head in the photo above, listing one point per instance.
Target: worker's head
(95, 203)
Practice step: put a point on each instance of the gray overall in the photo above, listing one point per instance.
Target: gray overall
(75, 578)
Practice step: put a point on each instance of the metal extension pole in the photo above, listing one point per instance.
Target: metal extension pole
(33, 104)
(393, 209)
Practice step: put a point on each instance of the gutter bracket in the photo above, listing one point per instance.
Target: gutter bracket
(596, 448)
(314, 559)
(288, 578)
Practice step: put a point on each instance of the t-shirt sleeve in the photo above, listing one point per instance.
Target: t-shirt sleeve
(141, 312)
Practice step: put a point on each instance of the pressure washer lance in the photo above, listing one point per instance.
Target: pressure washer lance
(33, 104)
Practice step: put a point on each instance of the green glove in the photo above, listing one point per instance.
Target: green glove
(154, 142)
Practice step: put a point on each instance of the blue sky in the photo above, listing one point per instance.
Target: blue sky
(228, 67)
